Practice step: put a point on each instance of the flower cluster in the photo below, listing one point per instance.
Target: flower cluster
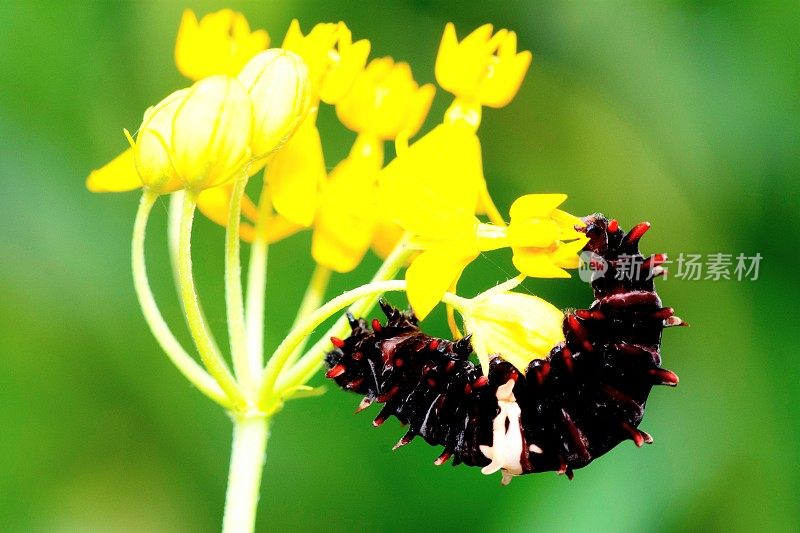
(252, 109)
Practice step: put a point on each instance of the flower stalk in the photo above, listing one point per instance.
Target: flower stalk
(207, 349)
(257, 285)
(158, 326)
(233, 290)
(248, 454)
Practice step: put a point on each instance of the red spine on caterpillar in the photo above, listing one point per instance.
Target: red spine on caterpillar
(564, 411)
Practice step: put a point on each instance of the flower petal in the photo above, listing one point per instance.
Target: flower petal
(536, 205)
(431, 274)
(295, 174)
(536, 263)
(118, 175)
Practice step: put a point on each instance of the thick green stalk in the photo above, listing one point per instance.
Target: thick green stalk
(248, 453)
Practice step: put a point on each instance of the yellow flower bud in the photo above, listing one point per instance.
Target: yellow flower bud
(211, 134)
(220, 43)
(278, 85)
(519, 327)
(385, 100)
(151, 149)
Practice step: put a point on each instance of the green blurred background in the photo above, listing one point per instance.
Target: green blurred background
(681, 113)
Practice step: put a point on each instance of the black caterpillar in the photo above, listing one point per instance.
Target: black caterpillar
(586, 397)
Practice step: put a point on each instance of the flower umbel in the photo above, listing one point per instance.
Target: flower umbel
(251, 109)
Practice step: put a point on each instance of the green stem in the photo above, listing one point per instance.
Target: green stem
(158, 326)
(211, 357)
(308, 365)
(508, 285)
(234, 301)
(173, 237)
(248, 453)
(266, 399)
(256, 287)
(312, 299)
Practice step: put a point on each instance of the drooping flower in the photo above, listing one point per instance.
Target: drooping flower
(220, 43)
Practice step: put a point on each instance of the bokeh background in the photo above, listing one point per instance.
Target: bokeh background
(683, 113)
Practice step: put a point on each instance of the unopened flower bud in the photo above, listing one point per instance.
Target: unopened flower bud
(520, 327)
(211, 133)
(278, 84)
(151, 149)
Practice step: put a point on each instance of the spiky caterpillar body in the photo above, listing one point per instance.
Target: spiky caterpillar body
(586, 397)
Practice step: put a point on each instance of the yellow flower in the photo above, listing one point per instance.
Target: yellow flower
(483, 67)
(296, 173)
(277, 82)
(333, 59)
(543, 238)
(519, 327)
(448, 241)
(385, 101)
(211, 133)
(345, 223)
(220, 43)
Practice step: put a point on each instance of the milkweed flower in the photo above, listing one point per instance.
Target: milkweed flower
(483, 69)
(219, 43)
(543, 239)
(520, 326)
(384, 102)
